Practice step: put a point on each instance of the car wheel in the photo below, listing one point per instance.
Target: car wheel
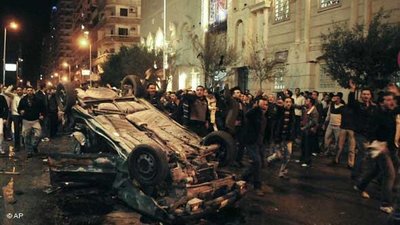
(227, 151)
(148, 164)
(134, 81)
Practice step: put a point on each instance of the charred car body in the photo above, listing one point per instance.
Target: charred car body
(157, 167)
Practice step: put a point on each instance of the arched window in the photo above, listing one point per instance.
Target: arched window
(239, 39)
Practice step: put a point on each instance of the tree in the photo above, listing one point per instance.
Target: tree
(214, 56)
(133, 60)
(369, 59)
(263, 68)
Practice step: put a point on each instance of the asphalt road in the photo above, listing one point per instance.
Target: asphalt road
(321, 195)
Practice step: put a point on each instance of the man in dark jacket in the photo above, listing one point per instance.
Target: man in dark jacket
(151, 94)
(256, 122)
(364, 114)
(197, 111)
(31, 110)
(387, 162)
(284, 135)
(41, 96)
(3, 119)
(309, 127)
(234, 121)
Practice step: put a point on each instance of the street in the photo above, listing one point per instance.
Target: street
(321, 195)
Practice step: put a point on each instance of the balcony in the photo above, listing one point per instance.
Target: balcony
(119, 38)
(260, 6)
(118, 20)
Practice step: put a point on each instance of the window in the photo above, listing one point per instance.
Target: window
(281, 10)
(279, 83)
(328, 3)
(123, 12)
(325, 81)
(123, 31)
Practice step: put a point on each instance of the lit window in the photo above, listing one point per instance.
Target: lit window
(279, 83)
(328, 3)
(281, 10)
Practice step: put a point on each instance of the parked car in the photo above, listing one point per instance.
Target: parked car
(157, 167)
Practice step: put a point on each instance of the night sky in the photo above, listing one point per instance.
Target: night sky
(34, 19)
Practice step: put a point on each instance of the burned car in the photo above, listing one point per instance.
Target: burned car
(156, 166)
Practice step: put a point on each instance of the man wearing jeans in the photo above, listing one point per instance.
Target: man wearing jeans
(333, 119)
(254, 141)
(364, 115)
(387, 162)
(16, 118)
(284, 134)
(31, 110)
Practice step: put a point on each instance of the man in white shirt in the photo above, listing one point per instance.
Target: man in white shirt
(299, 102)
(15, 116)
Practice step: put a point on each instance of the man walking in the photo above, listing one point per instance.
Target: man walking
(255, 131)
(31, 110)
(284, 135)
(16, 118)
(364, 115)
(309, 126)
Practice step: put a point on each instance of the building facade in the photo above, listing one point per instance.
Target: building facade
(105, 25)
(290, 31)
(183, 25)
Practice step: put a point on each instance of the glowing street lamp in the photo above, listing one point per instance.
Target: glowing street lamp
(65, 65)
(85, 42)
(14, 26)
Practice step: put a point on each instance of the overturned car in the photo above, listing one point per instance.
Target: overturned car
(157, 167)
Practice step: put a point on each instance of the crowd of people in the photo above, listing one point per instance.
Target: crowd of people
(267, 127)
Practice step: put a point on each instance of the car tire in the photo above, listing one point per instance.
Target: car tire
(148, 164)
(138, 89)
(228, 150)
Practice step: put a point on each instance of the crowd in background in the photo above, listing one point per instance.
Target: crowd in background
(268, 127)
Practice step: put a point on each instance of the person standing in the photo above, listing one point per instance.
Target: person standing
(52, 112)
(16, 118)
(299, 102)
(41, 96)
(197, 111)
(364, 115)
(3, 119)
(309, 127)
(254, 140)
(346, 133)
(333, 119)
(173, 107)
(284, 135)
(31, 109)
(234, 121)
(387, 162)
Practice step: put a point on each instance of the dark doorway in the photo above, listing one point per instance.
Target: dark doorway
(243, 78)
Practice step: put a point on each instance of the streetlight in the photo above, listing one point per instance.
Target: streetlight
(165, 60)
(13, 25)
(85, 42)
(65, 64)
(56, 75)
